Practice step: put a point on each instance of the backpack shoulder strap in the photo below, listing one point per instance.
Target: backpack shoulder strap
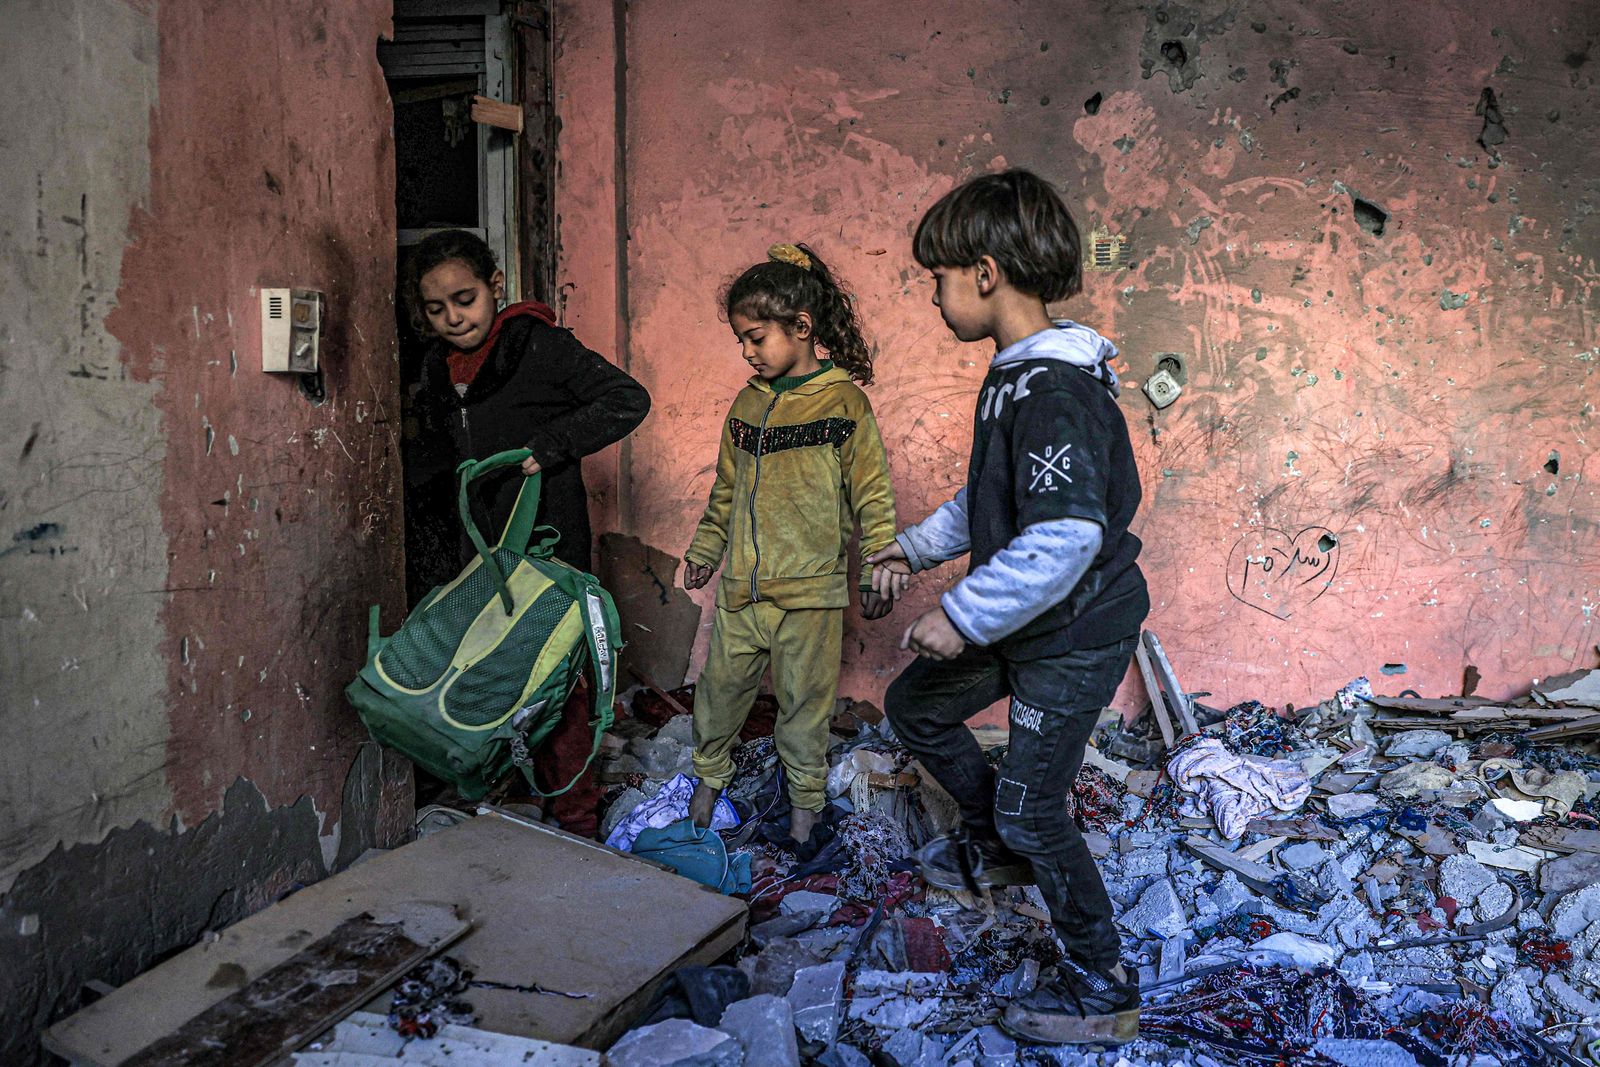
(603, 632)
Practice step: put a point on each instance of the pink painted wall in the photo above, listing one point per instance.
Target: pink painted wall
(282, 518)
(1328, 386)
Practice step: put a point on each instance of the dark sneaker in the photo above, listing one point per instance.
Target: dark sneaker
(1078, 1007)
(957, 862)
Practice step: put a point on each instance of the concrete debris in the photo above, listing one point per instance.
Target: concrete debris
(1351, 805)
(1364, 1052)
(1158, 913)
(909, 1048)
(817, 1000)
(675, 1043)
(764, 1028)
(1462, 878)
(1417, 743)
(1319, 884)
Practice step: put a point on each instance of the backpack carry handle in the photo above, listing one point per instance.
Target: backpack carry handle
(520, 527)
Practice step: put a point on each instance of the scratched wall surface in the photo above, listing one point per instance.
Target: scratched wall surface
(190, 545)
(1379, 276)
(83, 554)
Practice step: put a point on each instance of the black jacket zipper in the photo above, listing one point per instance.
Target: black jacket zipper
(761, 436)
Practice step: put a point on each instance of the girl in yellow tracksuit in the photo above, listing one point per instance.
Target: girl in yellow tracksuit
(800, 467)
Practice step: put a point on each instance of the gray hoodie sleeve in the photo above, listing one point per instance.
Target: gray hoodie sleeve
(940, 537)
(1037, 570)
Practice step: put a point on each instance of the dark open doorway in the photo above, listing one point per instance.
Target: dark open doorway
(454, 173)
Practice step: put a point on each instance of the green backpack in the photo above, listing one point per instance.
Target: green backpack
(480, 672)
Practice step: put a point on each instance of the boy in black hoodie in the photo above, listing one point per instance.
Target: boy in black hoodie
(1052, 605)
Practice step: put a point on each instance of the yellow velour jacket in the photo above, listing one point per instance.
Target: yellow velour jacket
(796, 472)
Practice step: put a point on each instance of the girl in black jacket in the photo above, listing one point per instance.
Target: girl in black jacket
(495, 381)
(513, 379)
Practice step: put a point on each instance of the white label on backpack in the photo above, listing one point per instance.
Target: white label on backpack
(602, 643)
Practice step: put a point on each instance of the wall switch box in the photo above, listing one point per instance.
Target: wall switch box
(291, 330)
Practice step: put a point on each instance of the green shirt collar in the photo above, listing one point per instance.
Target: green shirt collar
(783, 385)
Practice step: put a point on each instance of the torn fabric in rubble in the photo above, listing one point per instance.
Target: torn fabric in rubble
(666, 808)
(1234, 789)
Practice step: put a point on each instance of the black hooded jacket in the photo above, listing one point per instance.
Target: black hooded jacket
(539, 389)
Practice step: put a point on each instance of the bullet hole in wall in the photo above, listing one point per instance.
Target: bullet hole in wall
(1091, 106)
(1370, 216)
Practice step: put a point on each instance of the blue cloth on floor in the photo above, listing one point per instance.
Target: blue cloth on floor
(697, 854)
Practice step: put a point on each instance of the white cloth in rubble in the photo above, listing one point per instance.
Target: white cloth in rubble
(1234, 789)
(665, 808)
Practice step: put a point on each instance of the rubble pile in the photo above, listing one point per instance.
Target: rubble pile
(1375, 880)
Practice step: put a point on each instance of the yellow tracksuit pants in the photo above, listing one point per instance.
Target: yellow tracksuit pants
(803, 647)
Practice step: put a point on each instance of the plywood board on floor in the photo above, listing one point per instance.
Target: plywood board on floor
(547, 909)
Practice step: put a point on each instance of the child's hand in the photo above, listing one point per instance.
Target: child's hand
(935, 636)
(530, 467)
(891, 574)
(695, 574)
(875, 605)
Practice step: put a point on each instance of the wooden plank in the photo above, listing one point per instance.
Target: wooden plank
(497, 113)
(1586, 725)
(547, 908)
(1158, 706)
(1561, 839)
(296, 1000)
(1169, 684)
(258, 1015)
(497, 149)
(1437, 707)
(536, 234)
(1256, 875)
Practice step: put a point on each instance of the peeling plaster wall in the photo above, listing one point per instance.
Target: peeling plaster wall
(1408, 413)
(83, 554)
(190, 545)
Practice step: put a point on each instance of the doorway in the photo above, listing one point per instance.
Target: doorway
(454, 173)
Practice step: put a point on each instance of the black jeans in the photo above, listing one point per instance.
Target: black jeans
(1055, 703)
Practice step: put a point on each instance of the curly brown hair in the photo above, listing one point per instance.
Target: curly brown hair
(779, 291)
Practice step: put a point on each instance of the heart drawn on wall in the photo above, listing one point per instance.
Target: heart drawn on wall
(1280, 573)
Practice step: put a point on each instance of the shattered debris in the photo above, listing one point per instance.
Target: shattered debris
(1354, 883)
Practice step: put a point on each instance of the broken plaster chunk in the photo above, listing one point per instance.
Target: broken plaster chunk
(1303, 856)
(815, 998)
(1159, 913)
(1568, 999)
(1230, 895)
(896, 1000)
(1574, 913)
(1145, 862)
(804, 900)
(1493, 902)
(996, 1048)
(1417, 743)
(1510, 995)
(764, 1028)
(676, 1043)
(1350, 805)
(1364, 1052)
(1415, 778)
(908, 1048)
(679, 728)
(1463, 878)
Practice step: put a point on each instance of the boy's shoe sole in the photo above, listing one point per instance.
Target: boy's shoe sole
(1064, 1028)
(942, 877)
